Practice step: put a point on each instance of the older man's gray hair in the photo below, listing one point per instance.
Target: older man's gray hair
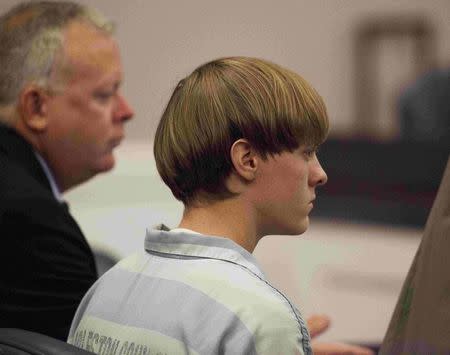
(31, 34)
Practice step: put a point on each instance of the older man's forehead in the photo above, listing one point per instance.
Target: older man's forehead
(85, 45)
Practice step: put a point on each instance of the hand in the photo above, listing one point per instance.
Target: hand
(317, 324)
(339, 349)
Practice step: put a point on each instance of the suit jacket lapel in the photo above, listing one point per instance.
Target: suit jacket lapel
(18, 149)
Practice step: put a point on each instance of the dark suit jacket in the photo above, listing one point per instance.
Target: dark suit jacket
(46, 265)
(420, 323)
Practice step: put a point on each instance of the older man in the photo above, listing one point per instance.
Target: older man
(61, 116)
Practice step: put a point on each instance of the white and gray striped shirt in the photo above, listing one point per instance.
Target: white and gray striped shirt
(188, 294)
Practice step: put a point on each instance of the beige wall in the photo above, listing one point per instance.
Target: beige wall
(163, 40)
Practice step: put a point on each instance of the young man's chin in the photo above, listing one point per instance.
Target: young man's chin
(302, 226)
(295, 229)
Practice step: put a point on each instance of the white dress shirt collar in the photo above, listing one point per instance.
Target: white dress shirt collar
(56, 192)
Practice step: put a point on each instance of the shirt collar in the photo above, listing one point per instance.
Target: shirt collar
(162, 240)
(50, 178)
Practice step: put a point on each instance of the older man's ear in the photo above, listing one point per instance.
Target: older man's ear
(33, 108)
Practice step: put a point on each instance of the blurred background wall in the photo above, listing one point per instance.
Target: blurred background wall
(163, 40)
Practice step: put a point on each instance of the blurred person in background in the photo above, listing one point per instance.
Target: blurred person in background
(424, 108)
(61, 116)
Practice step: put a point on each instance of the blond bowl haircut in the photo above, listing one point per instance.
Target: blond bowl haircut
(31, 34)
(222, 101)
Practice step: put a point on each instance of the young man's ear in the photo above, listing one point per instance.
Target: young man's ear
(33, 108)
(245, 159)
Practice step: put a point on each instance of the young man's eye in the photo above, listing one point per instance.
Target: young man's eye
(310, 152)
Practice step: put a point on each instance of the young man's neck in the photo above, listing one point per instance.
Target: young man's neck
(229, 219)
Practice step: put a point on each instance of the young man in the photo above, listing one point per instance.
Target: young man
(237, 145)
(61, 116)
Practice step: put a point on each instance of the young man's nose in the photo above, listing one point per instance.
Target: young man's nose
(318, 176)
